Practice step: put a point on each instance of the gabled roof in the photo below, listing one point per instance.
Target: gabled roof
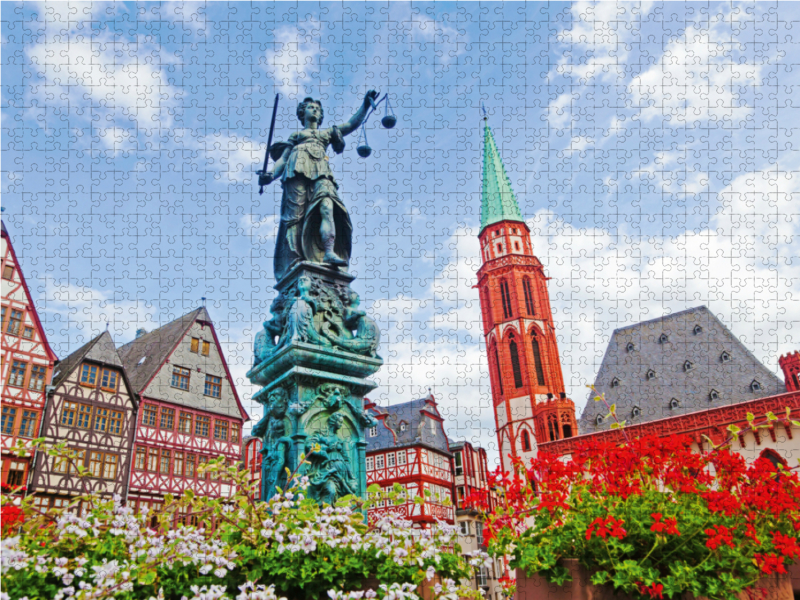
(156, 346)
(498, 202)
(100, 350)
(33, 312)
(680, 357)
(416, 414)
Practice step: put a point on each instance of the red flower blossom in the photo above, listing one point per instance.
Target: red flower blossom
(605, 527)
(719, 536)
(653, 590)
(786, 545)
(769, 563)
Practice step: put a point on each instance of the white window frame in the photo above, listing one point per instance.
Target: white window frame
(401, 458)
(370, 463)
(390, 459)
(379, 461)
(373, 431)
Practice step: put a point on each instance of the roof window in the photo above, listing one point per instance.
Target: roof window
(697, 330)
(650, 375)
(755, 386)
(663, 338)
(713, 395)
(725, 357)
(615, 382)
(688, 365)
(630, 347)
(674, 403)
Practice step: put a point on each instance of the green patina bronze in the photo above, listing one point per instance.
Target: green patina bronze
(314, 356)
(498, 202)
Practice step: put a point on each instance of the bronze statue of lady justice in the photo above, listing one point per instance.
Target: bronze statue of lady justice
(315, 225)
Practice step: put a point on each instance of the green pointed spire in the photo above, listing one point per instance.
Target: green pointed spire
(498, 202)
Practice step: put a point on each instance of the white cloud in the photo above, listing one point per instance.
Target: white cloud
(86, 311)
(232, 155)
(261, 230)
(294, 58)
(696, 79)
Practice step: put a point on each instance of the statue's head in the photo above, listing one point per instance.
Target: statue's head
(353, 299)
(301, 110)
(335, 422)
(279, 399)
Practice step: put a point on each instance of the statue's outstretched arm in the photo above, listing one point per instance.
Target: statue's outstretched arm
(361, 114)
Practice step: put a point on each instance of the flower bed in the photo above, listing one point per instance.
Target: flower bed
(234, 548)
(649, 518)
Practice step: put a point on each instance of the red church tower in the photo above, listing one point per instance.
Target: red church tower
(529, 400)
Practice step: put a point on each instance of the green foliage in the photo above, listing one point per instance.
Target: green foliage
(289, 542)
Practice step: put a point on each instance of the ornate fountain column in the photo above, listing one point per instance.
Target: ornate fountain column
(313, 357)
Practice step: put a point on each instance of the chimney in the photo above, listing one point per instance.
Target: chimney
(140, 332)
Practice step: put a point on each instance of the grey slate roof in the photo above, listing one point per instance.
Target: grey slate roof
(417, 429)
(670, 377)
(156, 346)
(100, 350)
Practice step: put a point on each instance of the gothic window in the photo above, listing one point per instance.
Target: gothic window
(552, 426)
(650, 375)
(499, 372)
(725, 357)
(713, 395)
(512, 349)
(537, 360)
(506, 298)
(526, 441)
(567, 430)
(697, 330)
(755, 386)
(526, 288)
(663, 338)
(630, 347)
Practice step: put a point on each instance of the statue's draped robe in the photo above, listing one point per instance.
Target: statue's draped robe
(307, 180)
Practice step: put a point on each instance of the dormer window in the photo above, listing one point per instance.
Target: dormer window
(697, 330)
(713, 395)
(688, 365)
(636, 412)
(663, 338)
(673, 404)
(598, 420)
(403, 426)
(650, 375)
(725, 357)
(755, 386)
(373, 432)
(615, 382)
(630, 347)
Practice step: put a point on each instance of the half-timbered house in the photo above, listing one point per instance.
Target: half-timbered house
(252, 458)
(471, 481)
(92, 407)
(408, 446)
(190, 410)
(27, 365)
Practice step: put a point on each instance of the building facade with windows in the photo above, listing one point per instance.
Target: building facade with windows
(471, 480)
(409, 447)
(251, 461)
(190, 412)
(27, 367)
(90, 407)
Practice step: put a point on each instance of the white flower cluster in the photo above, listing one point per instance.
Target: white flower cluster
(281, 530)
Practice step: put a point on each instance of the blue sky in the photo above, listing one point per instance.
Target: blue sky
(650, 146)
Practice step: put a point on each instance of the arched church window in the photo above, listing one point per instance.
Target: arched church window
(506, 297)
(512, 349)
(526, 288)
(499, 371)
(537, 359)
(526, 441)
(552, 427)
